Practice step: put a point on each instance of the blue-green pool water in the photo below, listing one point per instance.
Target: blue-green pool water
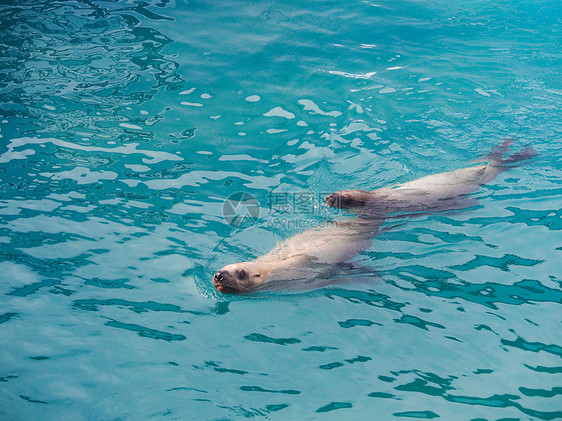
(126, 124)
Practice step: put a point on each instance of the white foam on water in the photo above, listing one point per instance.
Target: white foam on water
(315, 109)
(353, 75)
(81, 175)
(241, 157)
(128, 149)
(137, 168)
(198, 178)
(130, 126)
(482, 92)
(280, 112)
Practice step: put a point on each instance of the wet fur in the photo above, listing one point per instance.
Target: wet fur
(433, 193)
(305, 256)
(309, 255)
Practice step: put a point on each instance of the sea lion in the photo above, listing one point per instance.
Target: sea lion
(303, 256)
(306, 255)
(436, 192)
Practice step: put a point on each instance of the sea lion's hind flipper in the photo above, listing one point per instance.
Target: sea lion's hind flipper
(526, 153)
(500, 150)
(498, 157)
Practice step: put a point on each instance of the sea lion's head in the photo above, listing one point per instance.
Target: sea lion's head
(348, 199)
(239, 277)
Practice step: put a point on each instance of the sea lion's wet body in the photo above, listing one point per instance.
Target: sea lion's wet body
(300, 256)
(432, 193)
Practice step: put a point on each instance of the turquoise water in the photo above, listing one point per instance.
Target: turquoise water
(126, 124)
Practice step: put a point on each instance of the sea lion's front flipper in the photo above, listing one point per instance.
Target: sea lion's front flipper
(318, 275)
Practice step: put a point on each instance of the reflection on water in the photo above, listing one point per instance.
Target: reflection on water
(123, 127)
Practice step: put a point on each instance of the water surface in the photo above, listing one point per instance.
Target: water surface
(124, 127)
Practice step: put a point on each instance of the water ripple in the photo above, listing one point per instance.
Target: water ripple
(258, 337)
(125, 125)
(145, 331)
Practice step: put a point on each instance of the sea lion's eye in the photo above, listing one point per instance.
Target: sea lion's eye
(347, 200)
(241, 273)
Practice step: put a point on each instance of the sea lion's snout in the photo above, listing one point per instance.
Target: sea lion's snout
(224, 282)
(239, 278)
(217, 280)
